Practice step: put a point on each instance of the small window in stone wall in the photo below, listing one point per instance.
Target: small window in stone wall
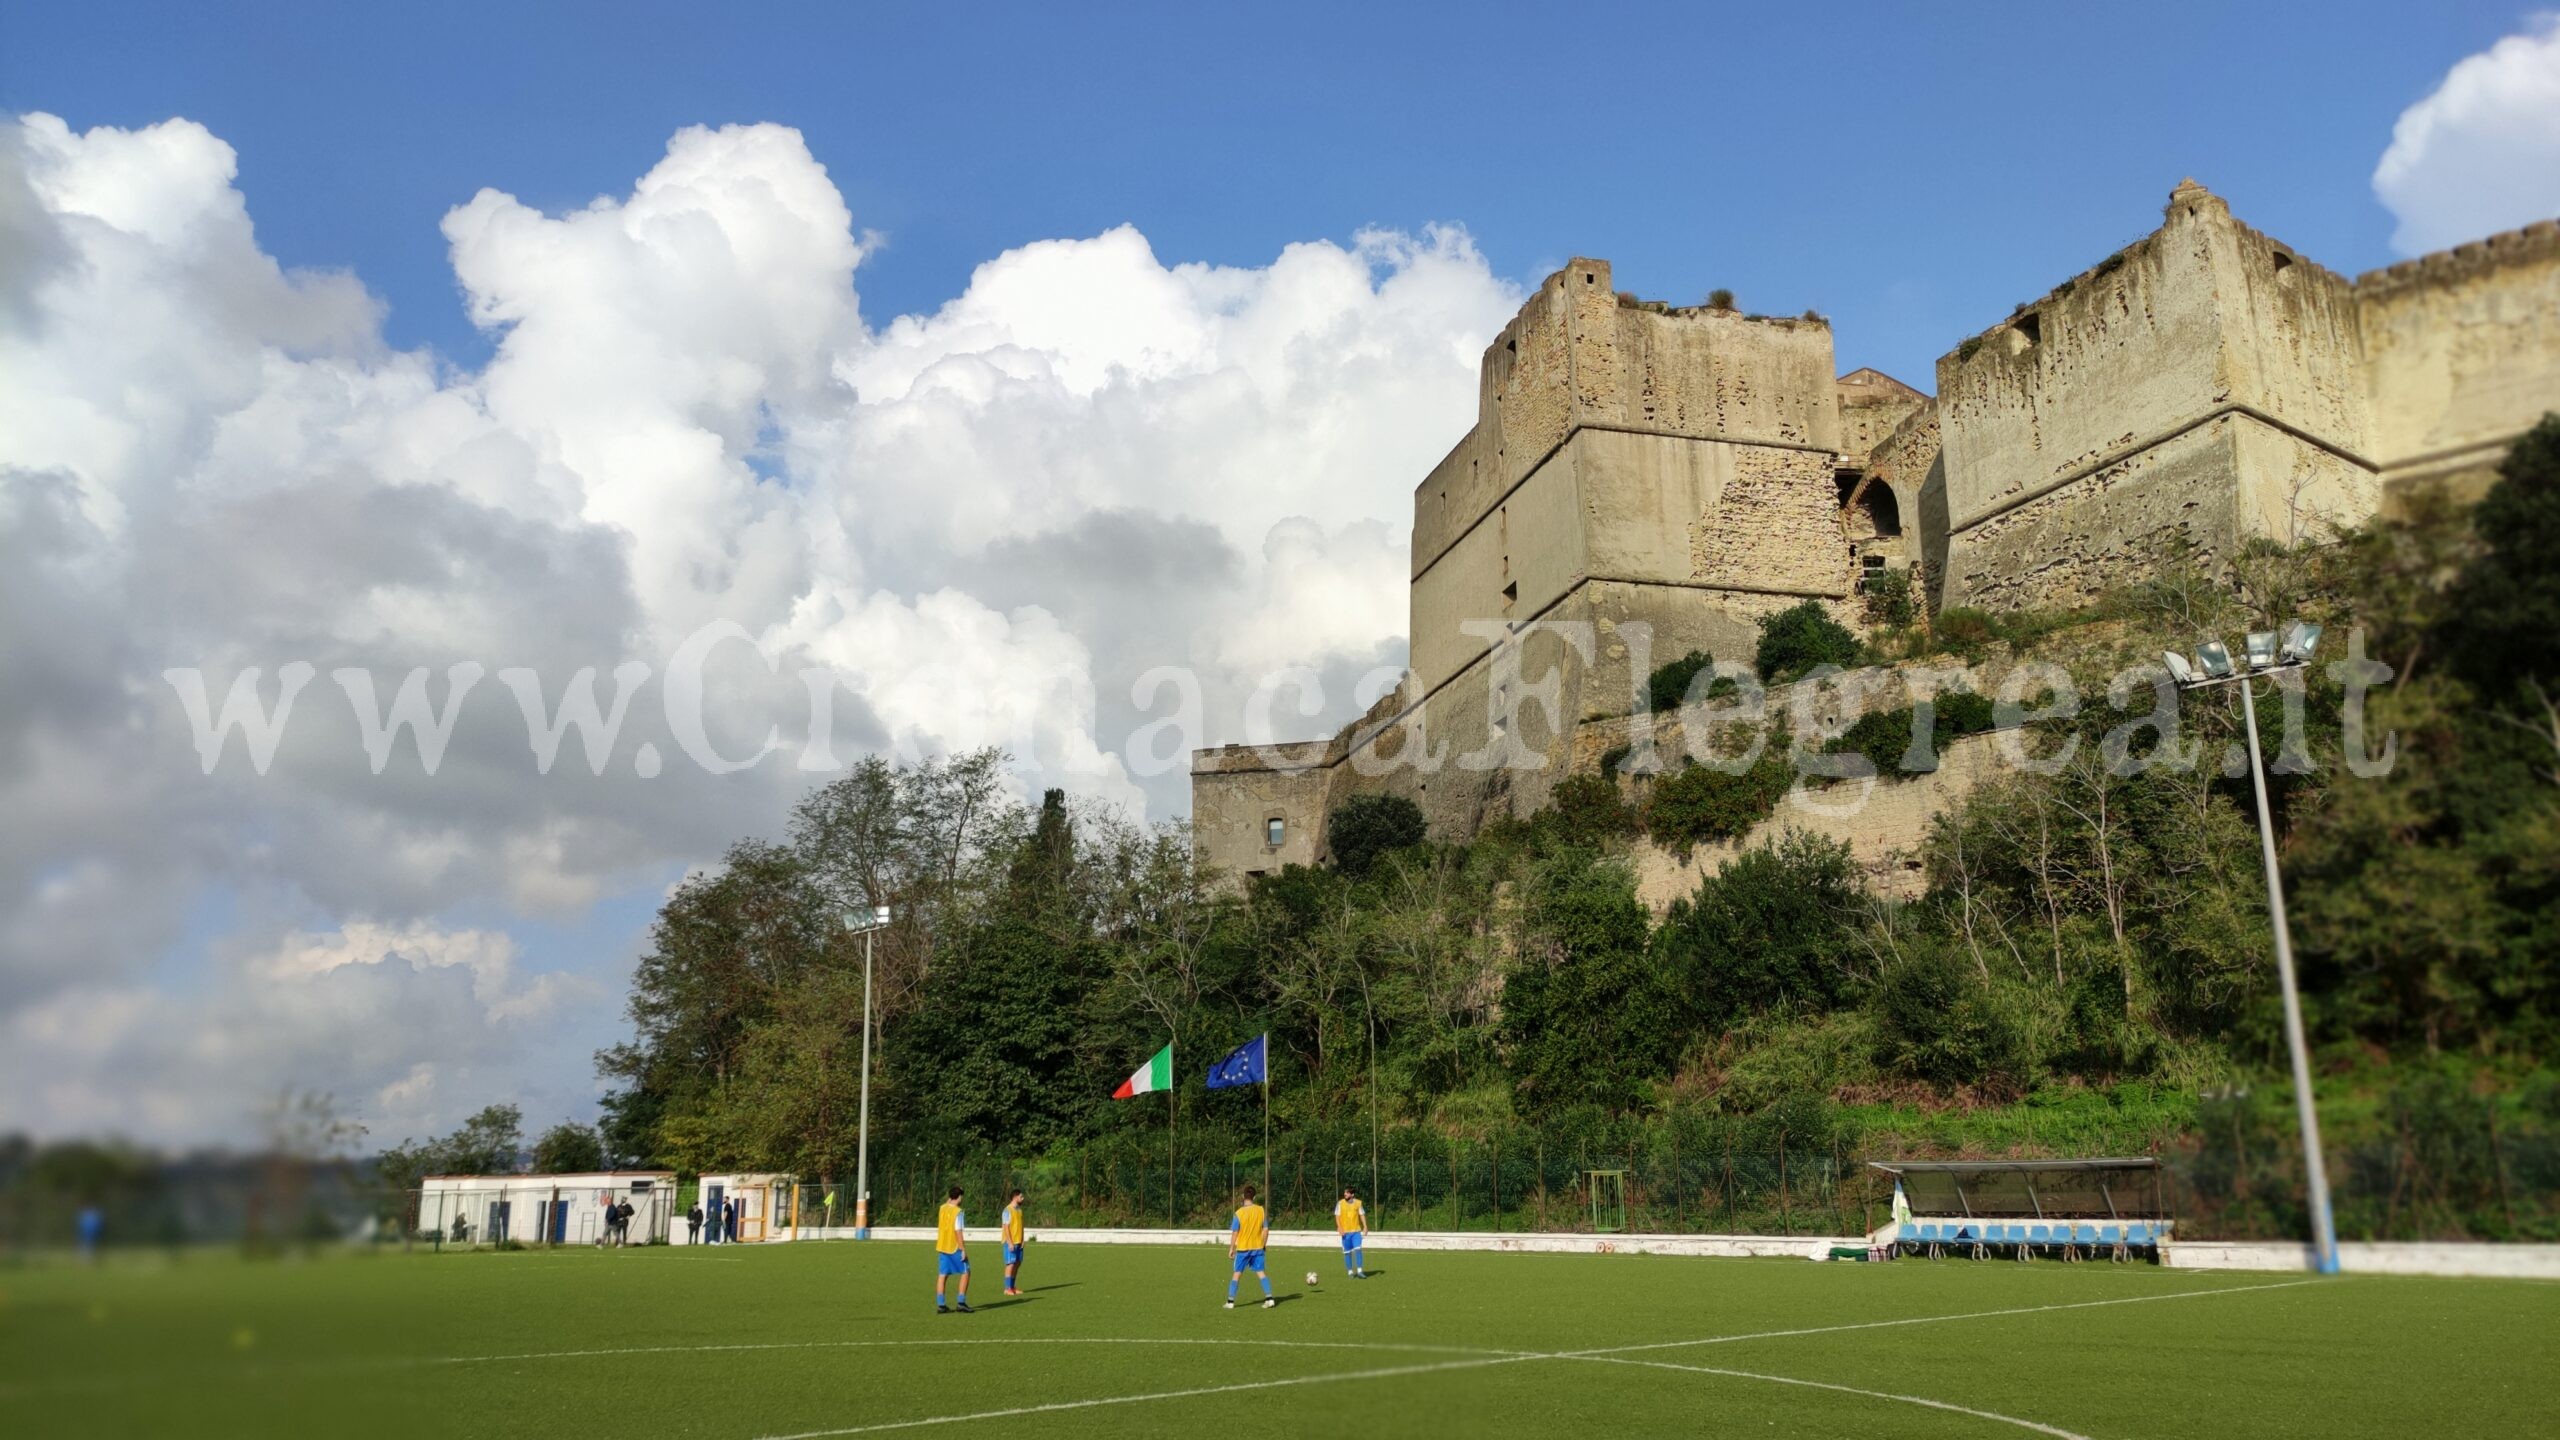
(2284, 266)
(1274, 830)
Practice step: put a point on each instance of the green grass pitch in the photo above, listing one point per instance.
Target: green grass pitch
(840, 1339)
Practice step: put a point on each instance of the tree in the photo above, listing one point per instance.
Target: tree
(1365, 827)
(2507, 601)
(1587, 1018)
(1767, 932)
(489, 1143)
(568, 1149)
(1799, 638)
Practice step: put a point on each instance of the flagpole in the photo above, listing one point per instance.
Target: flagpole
(1267, 1196)
(1172, 1164)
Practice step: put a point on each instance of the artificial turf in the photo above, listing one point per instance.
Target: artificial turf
(804, 1339)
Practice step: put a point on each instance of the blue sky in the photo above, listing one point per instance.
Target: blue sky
(1190, 322)
(1910, 171)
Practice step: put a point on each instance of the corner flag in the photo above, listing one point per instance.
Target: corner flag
(1247, 1064)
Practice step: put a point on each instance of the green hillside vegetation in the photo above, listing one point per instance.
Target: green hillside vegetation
(2089, 970)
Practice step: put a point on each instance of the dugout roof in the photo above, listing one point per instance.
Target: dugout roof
(2115, 1188)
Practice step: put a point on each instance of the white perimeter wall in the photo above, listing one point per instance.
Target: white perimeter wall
(2522, 1262)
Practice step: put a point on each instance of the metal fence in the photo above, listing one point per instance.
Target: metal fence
(2435, 1163)
(1413, 1182)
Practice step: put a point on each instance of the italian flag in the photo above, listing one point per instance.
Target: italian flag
(1156, 1074)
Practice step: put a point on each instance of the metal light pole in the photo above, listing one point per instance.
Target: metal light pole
(862, 1143)
(2263, 656)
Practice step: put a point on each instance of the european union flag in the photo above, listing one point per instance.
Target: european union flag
(1247, 1064)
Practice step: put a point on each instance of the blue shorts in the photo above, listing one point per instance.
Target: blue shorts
(1013, 1254)
(954, 1263)
(1351, 1239)
(1248, 1260)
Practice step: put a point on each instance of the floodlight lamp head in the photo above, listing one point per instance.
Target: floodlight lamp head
(2300, 639)
(2215, 658)
(2180, 671)
(2261, 646)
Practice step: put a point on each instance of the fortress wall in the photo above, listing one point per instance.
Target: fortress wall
(1236, 788)
(1524, 409)
(1910, 463)
(1872, 406)
(2293, 491)
(1522, 701)
(2205, 386)
(2122, 351)
(1576, 356)
(1718, 374)
(1701, 512)
(1883, 822)
(2290, 345)
(2462, 353)
(2117, 525)
(1532, 543)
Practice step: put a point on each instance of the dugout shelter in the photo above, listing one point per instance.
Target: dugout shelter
(2067, 1209)
(768, 1204)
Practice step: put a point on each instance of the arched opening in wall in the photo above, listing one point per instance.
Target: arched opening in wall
(1883, 511)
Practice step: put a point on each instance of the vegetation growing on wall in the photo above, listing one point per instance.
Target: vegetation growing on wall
(1365, 827)
(1801, 637)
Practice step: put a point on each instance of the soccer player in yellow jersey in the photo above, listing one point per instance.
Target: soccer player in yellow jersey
(951, 1253)
(1247, 1234)
(1351, 1221)
(1011, 1234)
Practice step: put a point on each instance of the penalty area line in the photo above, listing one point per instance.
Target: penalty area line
(1386, 1373)
(2035, 1425)
(2195, 1294)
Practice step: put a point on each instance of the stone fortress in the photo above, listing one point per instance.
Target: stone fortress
(1694, 469)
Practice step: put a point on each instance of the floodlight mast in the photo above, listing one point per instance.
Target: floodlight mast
(2299, 638)
(862, 1129)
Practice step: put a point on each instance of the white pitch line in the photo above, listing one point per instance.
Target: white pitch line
(1491, 1358)
(1055, 1406)
(1941, 1319)
(2037, 1426)
(1385, 1345)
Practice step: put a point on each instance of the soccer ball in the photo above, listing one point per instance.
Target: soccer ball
(1312, 1281)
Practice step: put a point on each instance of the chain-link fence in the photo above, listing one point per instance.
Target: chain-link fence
(2426, 1160)
(2436, 1163)
(1412, 1180)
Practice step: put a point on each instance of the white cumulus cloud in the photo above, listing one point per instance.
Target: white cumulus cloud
(2482, 152)
(979, 525)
